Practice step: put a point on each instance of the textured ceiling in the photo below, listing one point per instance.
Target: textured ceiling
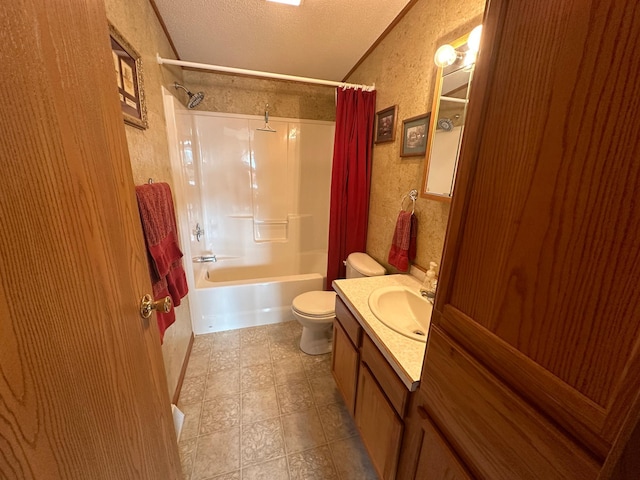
(320, 39)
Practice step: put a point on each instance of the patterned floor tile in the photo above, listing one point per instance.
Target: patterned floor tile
(288, 370)
(254, 336)
(255, 354)
(351, 459)
(262, 441)
(220, 413)
(314, 464)
(294, 396)
(316, 365)
(277, 420)
(284, 349)
(217, 453)
(191, 421)
(271, 470)
(224, 360)
(256, 376)
(187, 456)
(228, 340)
(324, 389)
(337, 421)
(259, 404)
(224, 382)
(197, 366)
(302, 431)
(192, 390)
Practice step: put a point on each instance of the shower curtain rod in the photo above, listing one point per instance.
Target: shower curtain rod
(257, 73)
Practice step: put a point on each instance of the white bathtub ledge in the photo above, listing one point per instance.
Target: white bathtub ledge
(403, 354)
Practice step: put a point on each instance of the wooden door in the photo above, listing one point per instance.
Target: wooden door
(542, 258)
(83, 392)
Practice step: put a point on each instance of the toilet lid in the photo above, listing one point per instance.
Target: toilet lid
(315, 304)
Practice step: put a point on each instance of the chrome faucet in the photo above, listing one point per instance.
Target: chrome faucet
(430, 295)
(204, 259)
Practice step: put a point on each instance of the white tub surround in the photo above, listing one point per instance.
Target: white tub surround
(403, 354)
(259, 202)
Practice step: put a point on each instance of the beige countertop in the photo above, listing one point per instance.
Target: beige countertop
(403, 354)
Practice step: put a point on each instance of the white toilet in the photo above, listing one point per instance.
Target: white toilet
(316, 310)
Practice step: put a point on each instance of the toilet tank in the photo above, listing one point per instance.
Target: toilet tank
(362, 265)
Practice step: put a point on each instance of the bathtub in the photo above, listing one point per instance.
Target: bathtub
(232, 293)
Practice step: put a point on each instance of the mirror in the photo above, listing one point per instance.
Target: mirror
(448, 113)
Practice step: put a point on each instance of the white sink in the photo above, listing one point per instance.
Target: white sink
(402, 310)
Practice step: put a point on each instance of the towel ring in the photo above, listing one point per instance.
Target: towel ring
(413, 195)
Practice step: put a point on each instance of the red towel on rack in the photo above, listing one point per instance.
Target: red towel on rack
(165, 258)
(403, 246)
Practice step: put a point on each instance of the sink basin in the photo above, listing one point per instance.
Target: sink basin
(402, 310)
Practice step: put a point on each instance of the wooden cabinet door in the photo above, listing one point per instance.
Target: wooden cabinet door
(345, 366)
(542, 258)
(436, 459)
(379, 425)
(83, 392)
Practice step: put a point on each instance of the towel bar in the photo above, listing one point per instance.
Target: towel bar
(413, 195)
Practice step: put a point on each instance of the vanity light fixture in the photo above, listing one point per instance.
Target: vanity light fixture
(447, 55)
(295, 3)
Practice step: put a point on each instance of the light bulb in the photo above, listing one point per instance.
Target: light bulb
(445, 56)
(473, 42)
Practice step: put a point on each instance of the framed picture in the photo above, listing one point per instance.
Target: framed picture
(128, 70)
(414, 136)
(386, 125)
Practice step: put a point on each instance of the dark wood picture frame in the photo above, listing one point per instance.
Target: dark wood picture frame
(414, 135)
(128, 70)
(386, 124)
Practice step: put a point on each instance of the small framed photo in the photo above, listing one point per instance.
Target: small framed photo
(386, 125)
(414, 135)
(128, 71)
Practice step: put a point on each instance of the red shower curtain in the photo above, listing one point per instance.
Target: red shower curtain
(350, 178)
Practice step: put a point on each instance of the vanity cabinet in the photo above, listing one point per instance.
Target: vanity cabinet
(347, 334)
(532, 368)
(435, 458)
(374, 394)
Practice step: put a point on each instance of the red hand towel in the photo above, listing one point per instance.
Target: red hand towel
(403, 246)
(161, 236)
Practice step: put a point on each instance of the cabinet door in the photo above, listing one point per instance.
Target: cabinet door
(345, 366)
(540, 269)
(436, 460)
(379, 425)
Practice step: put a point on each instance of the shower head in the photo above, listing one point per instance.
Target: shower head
(267, 127)
(194, 98)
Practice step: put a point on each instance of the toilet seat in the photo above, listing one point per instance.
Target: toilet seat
(315, 305)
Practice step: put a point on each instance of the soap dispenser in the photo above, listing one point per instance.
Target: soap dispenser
(430, 282)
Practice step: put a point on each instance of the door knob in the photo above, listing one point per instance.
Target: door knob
(148, 304)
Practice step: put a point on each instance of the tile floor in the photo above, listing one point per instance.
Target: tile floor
(256, 407)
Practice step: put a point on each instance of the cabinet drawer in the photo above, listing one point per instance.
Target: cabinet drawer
(392, 386)
(348, 321)
(467, 403)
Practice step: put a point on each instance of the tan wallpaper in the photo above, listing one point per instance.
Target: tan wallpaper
(403, 70)
(248, 95)
(148, 149)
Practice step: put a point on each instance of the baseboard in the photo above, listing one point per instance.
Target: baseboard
(185, 363)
